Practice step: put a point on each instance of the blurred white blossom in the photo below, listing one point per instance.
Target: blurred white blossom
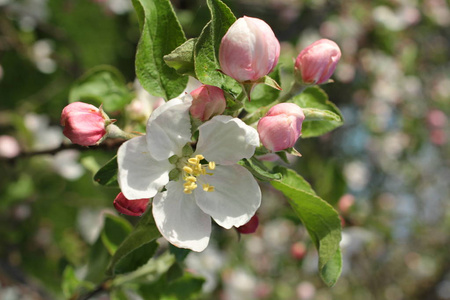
(208, 265)
(357, 175)
(45, 136)
(239, 284)
(42, 52)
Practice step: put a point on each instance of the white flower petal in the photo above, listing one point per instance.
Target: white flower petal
(180, 220)
(169, 128)
(235, 198)
(140, 175)
(226, 140)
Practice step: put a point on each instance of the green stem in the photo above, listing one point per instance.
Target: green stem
(235, 106)
(153, 268)
(115, 132)
(253, 117)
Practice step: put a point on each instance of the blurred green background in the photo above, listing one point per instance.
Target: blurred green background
(386, 170)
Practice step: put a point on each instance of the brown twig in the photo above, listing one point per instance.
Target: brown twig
(107, 145)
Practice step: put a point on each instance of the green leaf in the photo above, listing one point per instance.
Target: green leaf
(332, 269)
(102, 85)
(182, 58)
(258, 169)
(185, 287)
(179, 253)
(115, 230)
(139, 12)
(161, 34)
(175, 271)
(314, 114)
(207, 48)
(263, 95)
(107, 175)
(71, 285)
(324, 115)
(293, 151)
(118, 294)
(97, 261)
(70, 282)
(271, 82)
(144, 233)
(319, 218)
(136, 258)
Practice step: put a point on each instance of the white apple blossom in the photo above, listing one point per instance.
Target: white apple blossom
(208, 183)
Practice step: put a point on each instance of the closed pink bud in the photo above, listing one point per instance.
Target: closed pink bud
(9, 147)
(208, 101)
(298, 250)
(130, 207)
(84, 124)
(281, 127)
(317, 62)
(250, 226)
(249, 50)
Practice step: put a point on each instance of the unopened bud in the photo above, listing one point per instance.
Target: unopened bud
(249, 50)
(208, 101)
(281, 127)
(298, 250)
(436, 118)
(130, 207)
(9, 147)
(346, 202)
(250, 226)
(84, 124)
(316, 63)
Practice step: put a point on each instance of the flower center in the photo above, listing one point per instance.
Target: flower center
(192, 170)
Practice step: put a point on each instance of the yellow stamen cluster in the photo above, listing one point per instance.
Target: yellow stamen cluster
(192, 170)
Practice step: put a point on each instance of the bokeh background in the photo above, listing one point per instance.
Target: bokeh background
(386, 170)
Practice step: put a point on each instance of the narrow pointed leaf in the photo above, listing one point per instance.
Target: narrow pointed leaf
(319, 218)
(115, 230)
(107, 175)
(323, 115)
(144, 233)
(258, 169)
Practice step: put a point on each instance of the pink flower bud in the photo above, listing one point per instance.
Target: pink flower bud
(250, 226)
(208, 101)
(298, 250)
(249, 50)
(9, 147)
(317, 62)
(281, 127)
(346, 202)
(84, 124)
(436, 118)
(130, 207)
